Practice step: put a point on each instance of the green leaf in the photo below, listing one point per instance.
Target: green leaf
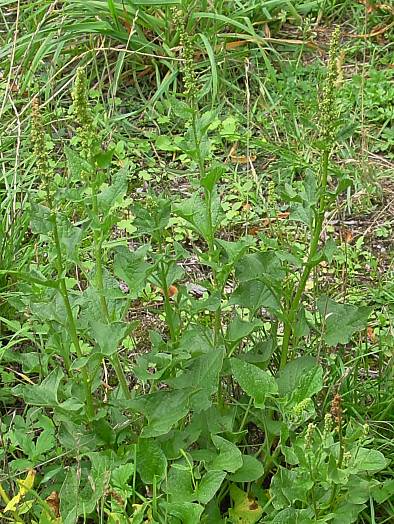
(151, 461)
(240, 329)
(164, 143)
(79, 496)
(156, 218)
(293, 516)
(308, 385)
(76, 164)
(131, 267)
(254, 294)
(40, 219)
(212, 176)
(229, 458)
(209, 485)
(245, 509)
(364, 459)
(328, 250)
(121, 475)
(114, 192)
(341, 321)
(383, 491)
(163, 409)
(194, 211)
(287, 486)
(69, 498)
(179, 483)
(187, 512)
(250, 471)
(45, 442)
(181, 109)
(347, 513)
(359, 489)
(256, 265)
(288, 379)
(70, 237)
(44, 394)
(104, 158)
(109, 336)
(201, 378)
(256, 382)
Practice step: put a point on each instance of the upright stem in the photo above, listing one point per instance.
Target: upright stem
(167, 304)
(208, 200)
(70, 316)
(310, 263)
(97, 240)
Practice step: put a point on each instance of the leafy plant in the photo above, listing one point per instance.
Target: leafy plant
(200, 417)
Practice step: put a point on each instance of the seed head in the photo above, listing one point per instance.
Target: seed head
(336, 409)
(309, 435)
(327, 423)
(328, 111)
(186, 41)
(302, 406)
(82, 111)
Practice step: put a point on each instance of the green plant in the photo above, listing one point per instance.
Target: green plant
(159, 379)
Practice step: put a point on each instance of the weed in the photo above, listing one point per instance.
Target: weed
(168, 353)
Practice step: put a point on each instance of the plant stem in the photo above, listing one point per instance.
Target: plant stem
(311, 261)
(167, 304)
(70, 317)
(97, 240)
(208, 201)
(4, 495)
(339, 464)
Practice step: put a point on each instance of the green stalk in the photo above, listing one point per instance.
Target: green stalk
(311, 261)
(167, 304)
(70, 317)
(339, 464)
(97, 240)
(208, 201)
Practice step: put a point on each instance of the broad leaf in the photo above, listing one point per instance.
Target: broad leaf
(256, 265)
(151, 461)
(240, 329)
(201, 378)
(109, 196)
(187, 512)
(341, 321)
(178, 485)
(245, 510)
(229, 458)
(383, 491)
(256, 382)
(251, 470)
(254, 294)
(364, 459)
(44, 394)
(40, 219)
(288, 379)
(163, 409)
(287, 486)
(76, 164)
(109, 336)
(131, 266)
(209, 485)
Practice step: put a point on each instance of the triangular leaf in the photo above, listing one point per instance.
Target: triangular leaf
(341, 321)
(256, 382)
(229, 458)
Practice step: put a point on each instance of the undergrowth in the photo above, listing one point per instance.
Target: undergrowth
(187, 330)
